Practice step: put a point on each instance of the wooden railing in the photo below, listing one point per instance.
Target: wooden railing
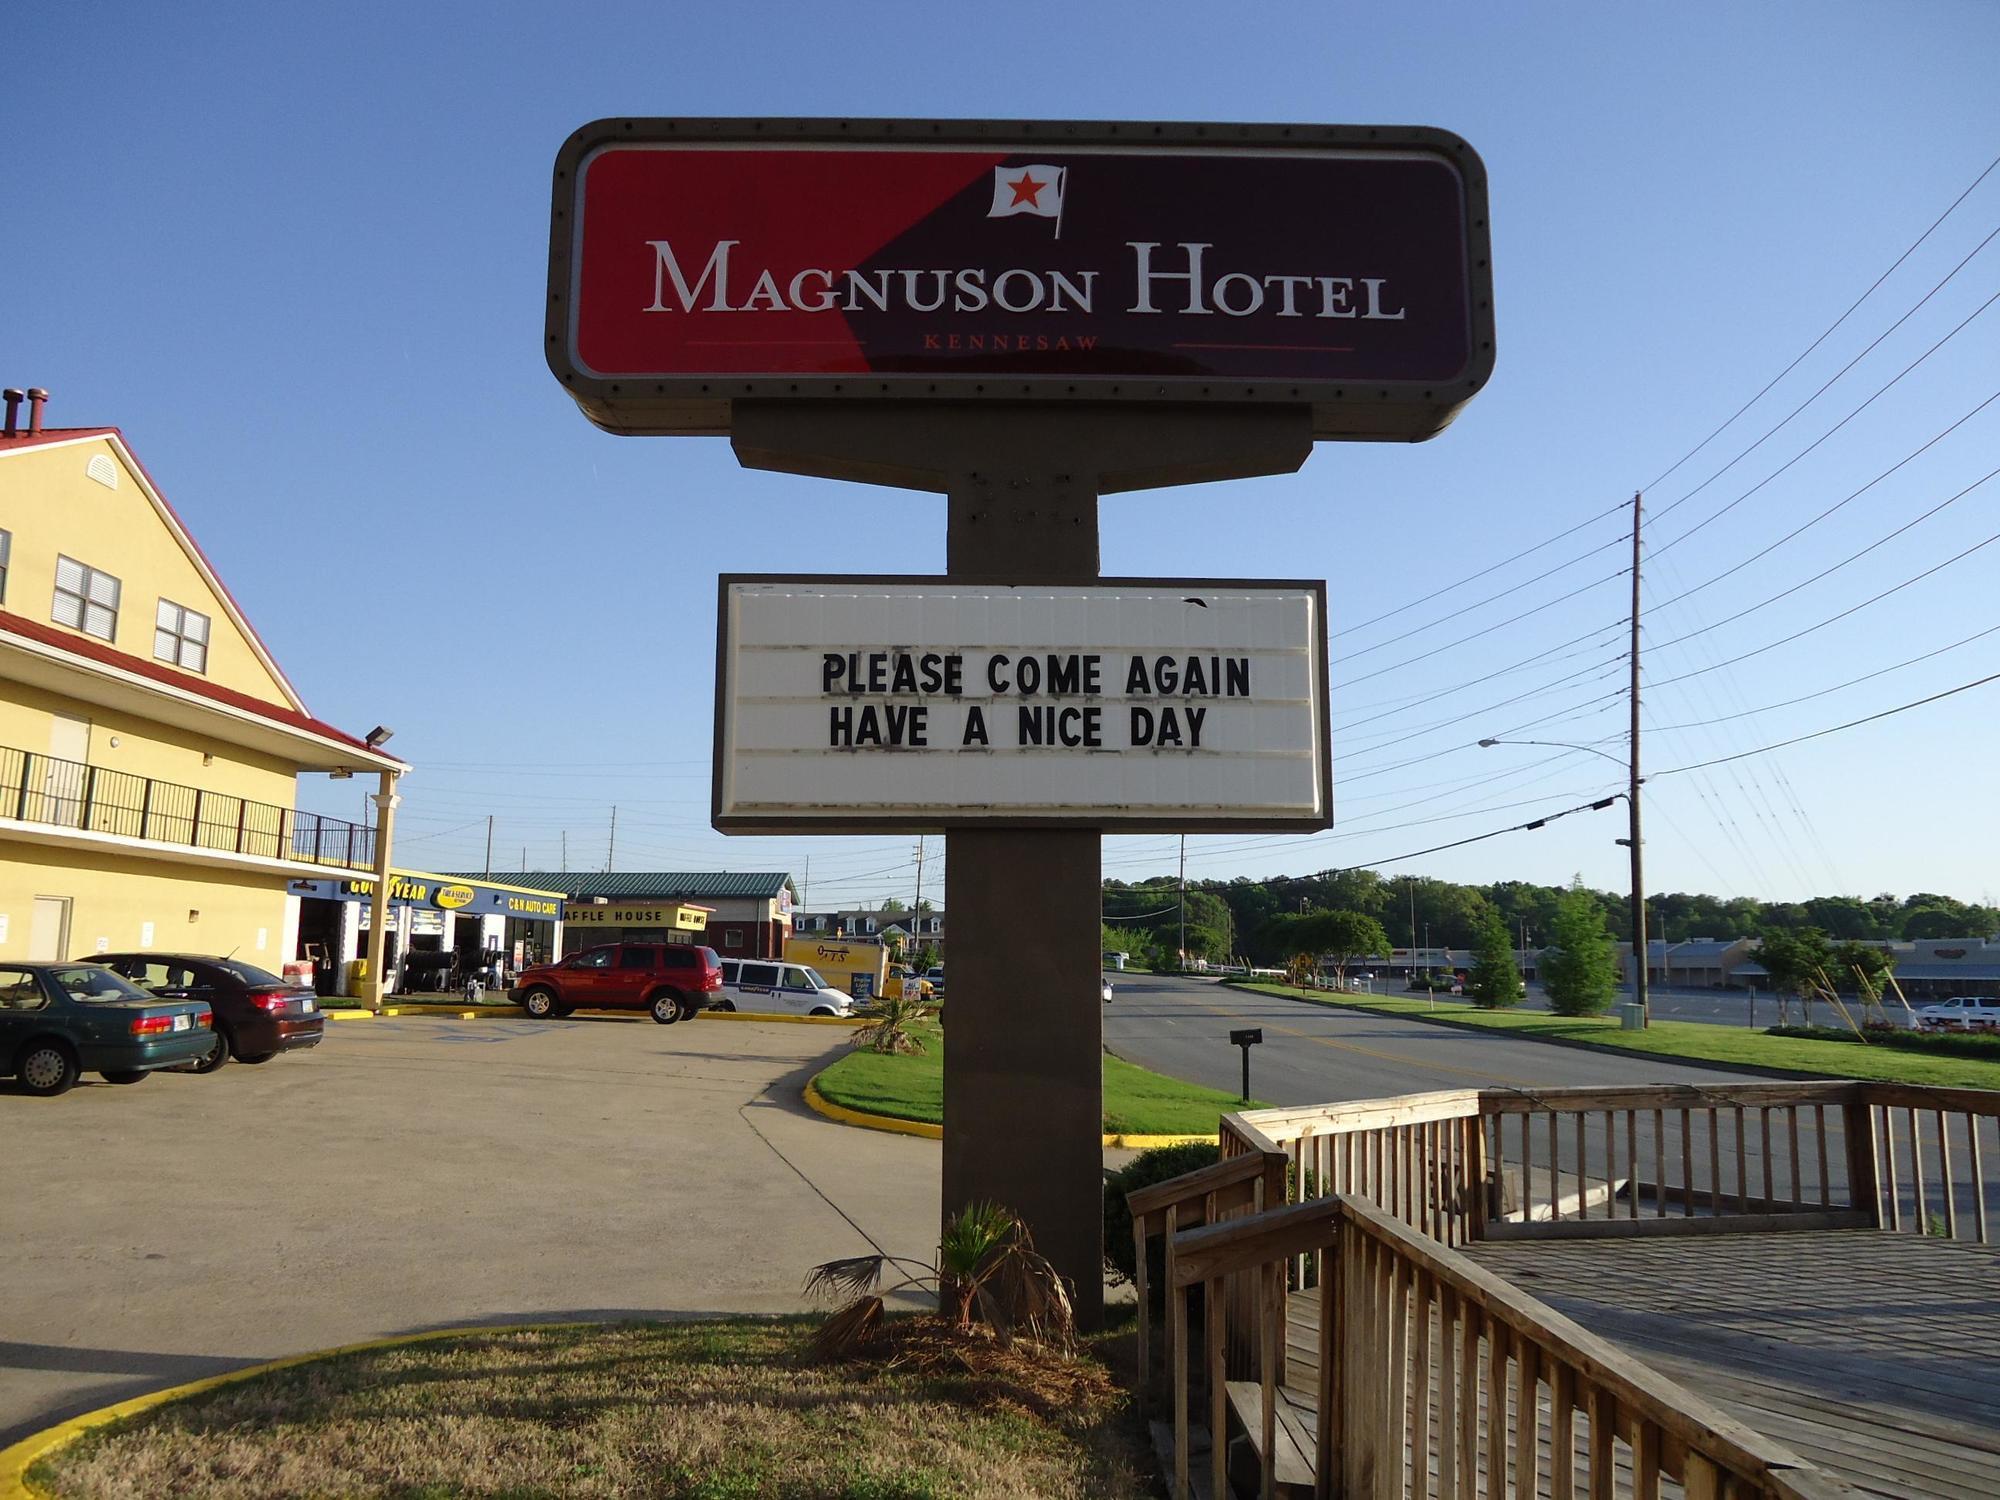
(1379, 1194)
(1435, 1377)
(1552, 1163)
(1232, 1188)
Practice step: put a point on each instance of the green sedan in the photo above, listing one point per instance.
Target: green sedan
(58, 1021)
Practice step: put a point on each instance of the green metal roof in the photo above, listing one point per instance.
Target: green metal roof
(654, 885)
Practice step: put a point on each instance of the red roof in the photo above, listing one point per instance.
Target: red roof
(82, 645)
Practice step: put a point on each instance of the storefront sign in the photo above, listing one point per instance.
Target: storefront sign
(615, 914)
(697, 262)
(921, 703)
(468, 898)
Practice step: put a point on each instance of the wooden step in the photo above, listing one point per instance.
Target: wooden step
(1293, 1431)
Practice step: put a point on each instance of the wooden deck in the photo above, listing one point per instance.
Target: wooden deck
(1874, 1356)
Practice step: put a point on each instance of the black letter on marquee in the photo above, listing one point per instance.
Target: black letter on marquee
(1135, 677)
(975, 726)
(832, 667)
(841, 730)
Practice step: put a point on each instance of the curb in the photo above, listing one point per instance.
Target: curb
(515, 1013)
(819, 1104)
(17, 1458)
(1600, 1049)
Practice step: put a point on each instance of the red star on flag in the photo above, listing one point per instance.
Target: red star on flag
(1032, 189)
(1027, 190)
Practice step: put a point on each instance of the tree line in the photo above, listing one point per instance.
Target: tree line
(1235, 918)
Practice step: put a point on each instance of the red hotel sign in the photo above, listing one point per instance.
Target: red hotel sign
(695, 263)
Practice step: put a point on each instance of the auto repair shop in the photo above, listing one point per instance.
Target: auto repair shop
(439, 925)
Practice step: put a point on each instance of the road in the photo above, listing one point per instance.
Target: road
(1319, 1054)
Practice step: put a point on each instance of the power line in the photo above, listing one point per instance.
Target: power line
(1881, 390)
(1828, 331)
(1903, 708)
(1837, 687)
(1844, 562)
(1481, 634)
(1837, 505)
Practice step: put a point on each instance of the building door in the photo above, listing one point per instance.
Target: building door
(48, 930)
(63, 770)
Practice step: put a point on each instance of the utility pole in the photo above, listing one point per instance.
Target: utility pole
(1640, 956)
(917, 906)
(1183, 962)
(565, 851)
(489, 846)
(611, 847)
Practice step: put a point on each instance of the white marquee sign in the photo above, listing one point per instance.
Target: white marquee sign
(848, 704)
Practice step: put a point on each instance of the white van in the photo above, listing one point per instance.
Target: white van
(751, 984)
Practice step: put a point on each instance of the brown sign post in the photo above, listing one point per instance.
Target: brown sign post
(1021, 317)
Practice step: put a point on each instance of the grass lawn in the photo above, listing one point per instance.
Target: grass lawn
(692, 1411)
(1690, 1040)
(1136, 1102)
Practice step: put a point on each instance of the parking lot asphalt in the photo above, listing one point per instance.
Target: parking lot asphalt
(423, 1172)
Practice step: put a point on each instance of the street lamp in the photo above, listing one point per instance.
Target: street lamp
(1641, 958)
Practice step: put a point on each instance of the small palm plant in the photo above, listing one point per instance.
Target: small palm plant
(893, 1028)
(988, 1271)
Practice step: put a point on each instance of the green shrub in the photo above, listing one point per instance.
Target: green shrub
(1160, 1164)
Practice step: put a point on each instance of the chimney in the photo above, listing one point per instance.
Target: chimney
(15, 396)
(37, 399)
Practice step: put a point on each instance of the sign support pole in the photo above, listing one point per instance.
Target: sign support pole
(1023, 1080)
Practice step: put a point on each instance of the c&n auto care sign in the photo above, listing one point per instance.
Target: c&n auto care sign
(922, 703)
(696, 263)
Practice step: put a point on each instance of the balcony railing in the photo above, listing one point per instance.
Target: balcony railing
(95, 799)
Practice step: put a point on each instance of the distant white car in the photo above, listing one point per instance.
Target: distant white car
(1107, 990)
(1961, 1013)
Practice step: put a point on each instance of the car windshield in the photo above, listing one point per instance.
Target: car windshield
(813, 979)
(248, 973)
(94, 982)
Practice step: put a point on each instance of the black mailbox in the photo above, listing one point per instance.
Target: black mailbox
(1250, 1037)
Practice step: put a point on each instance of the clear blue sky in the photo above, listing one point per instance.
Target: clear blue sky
(297, 253)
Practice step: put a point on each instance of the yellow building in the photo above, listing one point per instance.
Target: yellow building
(149, 744)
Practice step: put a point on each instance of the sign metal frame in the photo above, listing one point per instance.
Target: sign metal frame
(697, 405)
(1150, 822)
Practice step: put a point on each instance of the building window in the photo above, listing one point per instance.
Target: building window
(180, 636)
(86, 599)
(6, 551)
(871, 925)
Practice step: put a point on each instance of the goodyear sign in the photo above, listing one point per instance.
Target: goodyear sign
(675, 915)
(437, 894)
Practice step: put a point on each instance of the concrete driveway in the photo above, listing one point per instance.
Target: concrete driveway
(422, 1172)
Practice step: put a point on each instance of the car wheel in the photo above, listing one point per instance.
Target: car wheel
(46, 1069)
(255, 1057)
(565, 1010)
(729, 1005)
(822, 1010)
(218, 1054)
(125, 1075)
(666, 1009)
(540, 1003)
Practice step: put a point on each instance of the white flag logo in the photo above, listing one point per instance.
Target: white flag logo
(1036, 190)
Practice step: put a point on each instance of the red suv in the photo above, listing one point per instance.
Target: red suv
(672, 980)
